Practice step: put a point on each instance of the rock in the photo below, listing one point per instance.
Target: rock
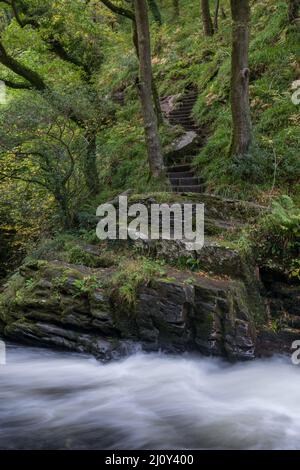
(49, 304)
(169, 104)
(115, 201)
(183, 145)
(283, 299)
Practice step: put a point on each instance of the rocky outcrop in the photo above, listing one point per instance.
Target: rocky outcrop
(183, 145)
(214, 300)
(72, 307)
(283, 326)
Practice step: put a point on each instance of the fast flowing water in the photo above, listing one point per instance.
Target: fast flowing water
(51, 400)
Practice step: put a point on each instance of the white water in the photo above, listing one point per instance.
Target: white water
(55, 401)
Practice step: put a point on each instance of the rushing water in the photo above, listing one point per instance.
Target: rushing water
(52, 400)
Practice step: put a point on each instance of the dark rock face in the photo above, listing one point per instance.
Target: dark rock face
(48, 303)
(283, 302)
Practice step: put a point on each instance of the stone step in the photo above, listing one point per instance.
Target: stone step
(185, 104)
(190, 181)
(182, 174)
(183, 120)
(200, 188)
(181, 117)
(188, 127)
(189, 97)
(187, 121)
(182, 110)
(179, 168)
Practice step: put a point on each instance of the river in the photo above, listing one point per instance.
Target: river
(54, 400)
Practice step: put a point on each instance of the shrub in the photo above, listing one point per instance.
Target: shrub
(276, 237)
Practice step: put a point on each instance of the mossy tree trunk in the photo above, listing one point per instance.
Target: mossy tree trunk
(155, 94)
(240, 106)
(206, 18)
(154, 150)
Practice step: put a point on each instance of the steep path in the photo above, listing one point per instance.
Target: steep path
(181, 173)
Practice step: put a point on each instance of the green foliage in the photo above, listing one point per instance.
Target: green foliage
(295, 271)
(190, 263)
(40, 147)
(276, 237)
(43, 149)
(87, 285)
(76, 255)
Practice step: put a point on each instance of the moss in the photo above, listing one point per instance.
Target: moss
(131, 275)
(77, 255)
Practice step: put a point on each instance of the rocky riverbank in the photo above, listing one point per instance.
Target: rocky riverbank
(214, 301)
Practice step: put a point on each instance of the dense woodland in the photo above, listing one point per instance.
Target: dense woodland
(174, 104)
(81, 119)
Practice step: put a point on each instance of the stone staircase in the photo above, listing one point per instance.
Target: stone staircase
(180, 170)
(181, 173)
(183, 179)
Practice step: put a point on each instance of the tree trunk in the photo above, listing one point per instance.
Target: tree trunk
(62, 203)
(150, 121)
(294, 6)
(90, 164)
(176, 10)
(240, 106)
(155, 11)
(216, 18)
(155, 94)
(207, 21)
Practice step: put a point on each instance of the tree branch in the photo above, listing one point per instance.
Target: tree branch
(31, 76)
(21, 70)
(21, 22)
(58, 49)
(119, 10)
(54, 44)
(14, 85)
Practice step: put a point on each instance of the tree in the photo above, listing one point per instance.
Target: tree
(176, 9)
(216, 16)
(155, 11)
(41, 147)
(293, 10)
(206, 17)
(240, 106)
(150, 121)
(124, 12)
(41, 20)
